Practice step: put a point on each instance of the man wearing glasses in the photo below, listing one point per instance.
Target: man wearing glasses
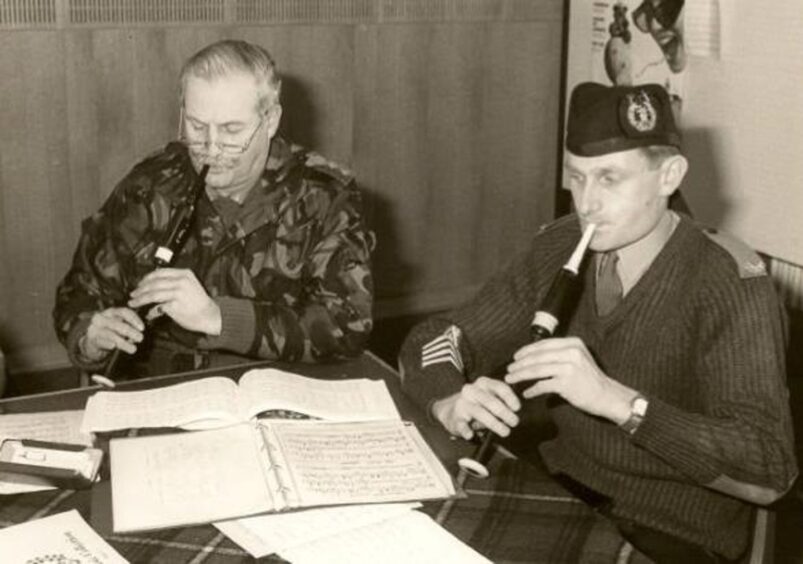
(277, 261)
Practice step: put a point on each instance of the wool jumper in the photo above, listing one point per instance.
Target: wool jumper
(701, 335)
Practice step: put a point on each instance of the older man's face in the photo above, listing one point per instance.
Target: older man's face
(219, 117)
(618, 192)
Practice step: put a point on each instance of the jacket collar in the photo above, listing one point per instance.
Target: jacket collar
(262, 203)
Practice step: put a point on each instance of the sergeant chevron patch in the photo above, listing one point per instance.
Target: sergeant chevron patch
(443, 348)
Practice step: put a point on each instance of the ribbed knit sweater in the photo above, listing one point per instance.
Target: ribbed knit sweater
(702, 339)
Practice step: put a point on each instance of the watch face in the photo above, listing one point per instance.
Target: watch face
(640, 406)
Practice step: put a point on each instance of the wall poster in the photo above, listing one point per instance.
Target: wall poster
(638, 42)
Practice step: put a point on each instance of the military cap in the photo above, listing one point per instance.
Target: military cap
(608, 119)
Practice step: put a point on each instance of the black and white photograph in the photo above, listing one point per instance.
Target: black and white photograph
(401, 281)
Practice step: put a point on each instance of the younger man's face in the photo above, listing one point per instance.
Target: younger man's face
(618, 192)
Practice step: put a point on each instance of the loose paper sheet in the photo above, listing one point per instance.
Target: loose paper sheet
(64, 537)
(268, 534)
(703, 28)
(411, 537)
(54, 426)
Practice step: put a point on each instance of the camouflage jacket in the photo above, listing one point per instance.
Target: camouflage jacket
(290, 269)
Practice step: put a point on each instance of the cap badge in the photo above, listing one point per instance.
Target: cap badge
(641, 114)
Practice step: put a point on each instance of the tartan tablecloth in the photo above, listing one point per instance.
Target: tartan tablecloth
(517, 515)
(520, 514)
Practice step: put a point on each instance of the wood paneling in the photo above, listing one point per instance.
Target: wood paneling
(446, 111)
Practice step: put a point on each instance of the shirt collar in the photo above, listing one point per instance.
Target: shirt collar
(636, 258)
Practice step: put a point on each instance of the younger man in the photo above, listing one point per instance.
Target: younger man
(672, 414)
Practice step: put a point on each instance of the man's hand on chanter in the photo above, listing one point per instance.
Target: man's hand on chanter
(484, 403)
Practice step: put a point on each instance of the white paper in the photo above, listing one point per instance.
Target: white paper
(217, 402)
(268, 534)
(179, 479)
(53, 426)
(702, 28)
(336, 463)
(205, 476)
(64, 537)
(210, 402)
(411, 537)
(709, 29)
(334, 400)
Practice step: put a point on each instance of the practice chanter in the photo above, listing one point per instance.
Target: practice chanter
(544, 324)
(178, 231)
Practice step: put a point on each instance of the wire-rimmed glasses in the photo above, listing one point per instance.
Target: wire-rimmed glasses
(225, 147)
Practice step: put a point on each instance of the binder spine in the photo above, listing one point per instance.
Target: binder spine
(279, 483)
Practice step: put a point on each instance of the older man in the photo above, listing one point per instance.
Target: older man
(668, 387)
(277, 262)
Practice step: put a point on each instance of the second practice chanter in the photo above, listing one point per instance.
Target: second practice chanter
(544, 324)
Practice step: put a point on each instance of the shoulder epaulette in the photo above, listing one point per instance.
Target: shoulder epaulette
(747, 260)
(328, 168)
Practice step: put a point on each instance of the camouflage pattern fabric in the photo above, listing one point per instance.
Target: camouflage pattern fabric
(294, 258)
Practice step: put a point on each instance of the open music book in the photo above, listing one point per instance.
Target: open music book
(218, 401)
(266, 466)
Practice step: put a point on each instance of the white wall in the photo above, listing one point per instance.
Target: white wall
(742, 121)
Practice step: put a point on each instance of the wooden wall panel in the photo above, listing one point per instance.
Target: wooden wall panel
(317, 65)
(521, 132)
(464, 118)
(33, 160)
(445, 110)
(392, 152)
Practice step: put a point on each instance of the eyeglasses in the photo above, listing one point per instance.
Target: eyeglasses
(228, 148)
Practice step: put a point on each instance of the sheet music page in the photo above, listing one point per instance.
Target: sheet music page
(376, 461)
(200, 404)
(334, 400)
(267, 534)
(186, 478)
(54, 426)
(64, 537)
(410, 537)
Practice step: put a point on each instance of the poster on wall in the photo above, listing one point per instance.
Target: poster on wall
(639, 42)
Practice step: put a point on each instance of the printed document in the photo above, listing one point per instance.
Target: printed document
(262, 535)
(64, 537)
(410, 537)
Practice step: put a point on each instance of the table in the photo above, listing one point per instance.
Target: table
(517, 515)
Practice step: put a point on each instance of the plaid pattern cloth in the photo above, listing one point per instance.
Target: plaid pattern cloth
(520, 514)
(517, 515)
(196, 545)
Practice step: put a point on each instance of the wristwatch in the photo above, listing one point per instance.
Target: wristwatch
(638, 409)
